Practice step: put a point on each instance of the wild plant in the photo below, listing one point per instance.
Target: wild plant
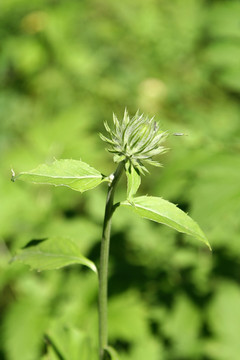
(134, 142)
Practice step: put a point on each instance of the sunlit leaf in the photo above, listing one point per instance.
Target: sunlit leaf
(75, 174)
(52, 254)
(162, 211)
(133, 181)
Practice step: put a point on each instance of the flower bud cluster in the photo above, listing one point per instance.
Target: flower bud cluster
(135, 140)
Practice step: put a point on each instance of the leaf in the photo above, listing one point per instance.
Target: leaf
(68, 342)
(133, 181)
(28, 310)
(112, 353)
(52, 254)
(183, 328)
(54, 348)
(223, 318)
(74, 174)
(165, 212)
(127, 308)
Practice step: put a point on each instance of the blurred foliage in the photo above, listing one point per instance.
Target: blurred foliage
(65, 66)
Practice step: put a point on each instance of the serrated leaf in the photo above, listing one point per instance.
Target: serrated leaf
(133, 181)
(75, 174)
(165, 212)
(52, 254)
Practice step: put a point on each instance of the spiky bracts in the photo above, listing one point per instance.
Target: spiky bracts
(135, 140)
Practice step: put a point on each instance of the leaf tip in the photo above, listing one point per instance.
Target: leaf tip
(13, 178)
(94, 268)
(206, 242)
(209, 246)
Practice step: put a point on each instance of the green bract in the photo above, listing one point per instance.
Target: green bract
(135, 140)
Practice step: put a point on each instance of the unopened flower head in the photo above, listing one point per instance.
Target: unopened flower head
(135, 140)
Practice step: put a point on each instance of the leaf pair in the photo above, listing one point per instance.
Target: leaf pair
(79, 176)
(56, 253)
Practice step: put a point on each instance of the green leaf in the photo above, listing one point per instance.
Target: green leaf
(112, 353)
(183, 327)
(28, 310)
(74, 174)
(133, 181)
(68, 342)
(52, 254)
(163, 211)
(223, 314)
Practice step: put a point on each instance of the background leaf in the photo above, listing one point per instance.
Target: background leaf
(69, 342)
(53, 254)
(32, 313)
(162, 211)
(74, 174)
(183, 328)
(223, 318)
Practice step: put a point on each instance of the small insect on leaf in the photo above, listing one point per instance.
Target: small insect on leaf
(13, 175)
(179, 134)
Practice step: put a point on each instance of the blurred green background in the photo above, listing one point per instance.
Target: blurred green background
(65, 66)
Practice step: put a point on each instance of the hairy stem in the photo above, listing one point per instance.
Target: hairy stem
(103, 269)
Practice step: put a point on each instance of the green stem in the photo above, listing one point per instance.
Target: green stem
(103, 269)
